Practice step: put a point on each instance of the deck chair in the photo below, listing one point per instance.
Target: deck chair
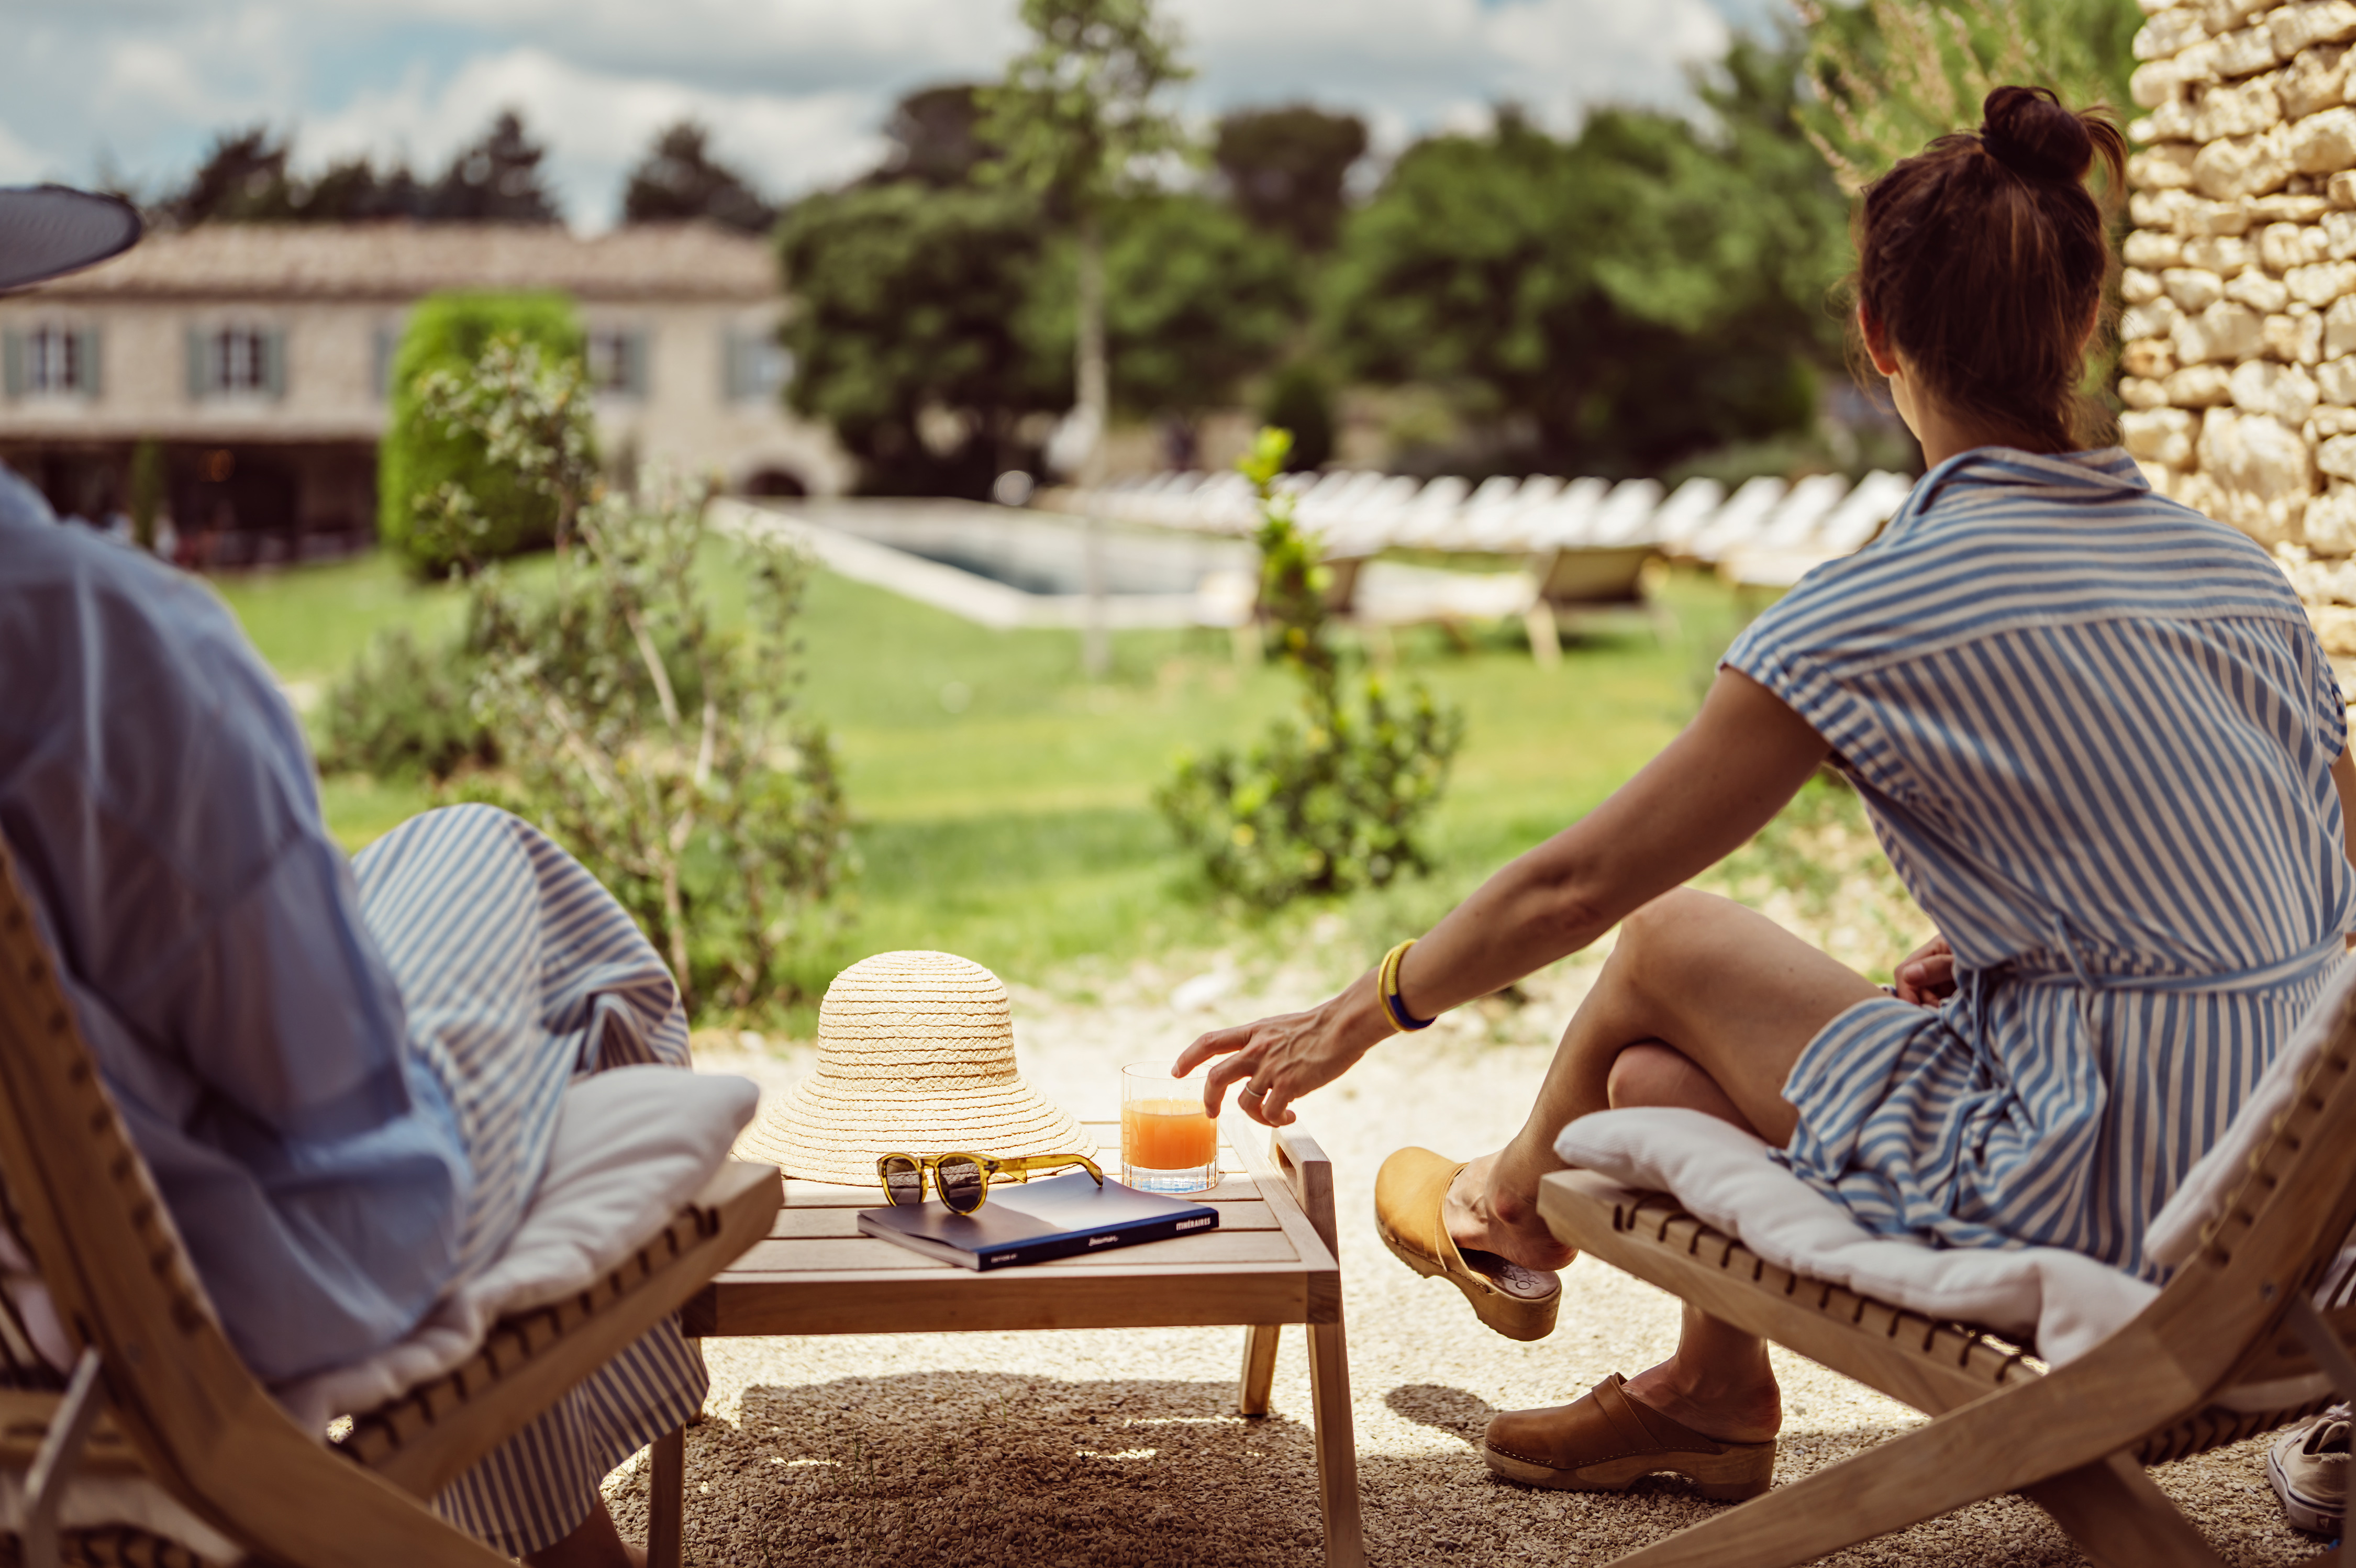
(159, 1391)
(2228, 1350)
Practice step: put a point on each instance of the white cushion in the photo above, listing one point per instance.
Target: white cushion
(2064, 1302)
(632, 1145)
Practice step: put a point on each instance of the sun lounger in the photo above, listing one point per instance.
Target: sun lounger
(2235, 1344)
(1689, 510)
(1844, 530)
(1738, 522)
(162, 1449)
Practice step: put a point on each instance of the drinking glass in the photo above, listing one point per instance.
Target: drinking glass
(1167, 1143)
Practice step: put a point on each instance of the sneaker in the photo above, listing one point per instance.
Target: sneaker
(2308, 1468)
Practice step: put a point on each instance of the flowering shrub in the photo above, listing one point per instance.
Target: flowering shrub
(1329, 801)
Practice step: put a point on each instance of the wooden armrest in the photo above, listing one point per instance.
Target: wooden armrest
(25, 1417)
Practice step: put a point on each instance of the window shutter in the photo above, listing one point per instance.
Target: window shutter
(732, 375)
(12, 352)
(273, 363)
(86, 356)
(635, 363)
(381, 363)
(200, 368)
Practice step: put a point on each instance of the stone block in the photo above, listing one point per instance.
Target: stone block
(2329, 422)
(2340, 329)
(2161, 209)
(2162, 479)
(2244, 109)
(2159, 435)
(2342, 188)
(2292, 28)
(2193, 288)
(2282, 246)
(2316, 80)
(2254, 455)
(2168, 166)
(2137, 286)
(2254, 288)
(2331, 521)
(2171, 122)
(2151, 250)
(2322, 282)
(2152, 357)
(2337, 456)
(2335, 379)
(2241, 166)
(2202, 493)
(2243, 51)
(2284, 392)
(2158, 82)
(2322, 144)
(2283, 207)
(2141, 392)
(2339, 235)
(2158, 319)
(2220, 15)
(2200, 386)
(2224, 254)
(2296, 336)
(2335, 628)
(2168, 33)
(2197, 218)
(2224, 332)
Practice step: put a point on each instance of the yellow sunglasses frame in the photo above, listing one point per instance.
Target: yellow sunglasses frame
(928, 1173)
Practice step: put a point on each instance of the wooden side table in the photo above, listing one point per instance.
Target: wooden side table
(1270, 1261)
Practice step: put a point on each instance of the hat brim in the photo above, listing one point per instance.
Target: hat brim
(834, 1131)
(47, 231)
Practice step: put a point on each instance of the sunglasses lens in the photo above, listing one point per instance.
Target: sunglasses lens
(904, 1182)
(961, 1184)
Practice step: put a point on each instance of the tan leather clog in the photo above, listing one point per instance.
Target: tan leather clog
(1411, 1194)
(1607, 1441)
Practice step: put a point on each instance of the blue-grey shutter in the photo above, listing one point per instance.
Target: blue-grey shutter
(12, 360)
(201, 369)
(274, 361)
(634, 363)
(86, 357)
(381, 363)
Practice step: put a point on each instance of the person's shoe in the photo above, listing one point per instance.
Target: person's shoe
(1607, 1441)
(2308, 1466)
(1410, 1214)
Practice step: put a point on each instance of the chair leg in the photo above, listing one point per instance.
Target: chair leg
(1546, 642)
(667, 1501)
(1259, 1368)
(2120, 1520)
(1337, 1447)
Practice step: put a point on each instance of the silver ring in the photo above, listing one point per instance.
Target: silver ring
(1254, 1090)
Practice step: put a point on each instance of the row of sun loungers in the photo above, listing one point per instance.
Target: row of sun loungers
(1765, 534)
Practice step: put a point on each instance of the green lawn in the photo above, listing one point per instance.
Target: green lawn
(1019, 829)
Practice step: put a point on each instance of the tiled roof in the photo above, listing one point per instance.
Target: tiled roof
(400, 259)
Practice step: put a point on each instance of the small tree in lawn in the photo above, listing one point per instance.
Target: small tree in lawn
(1077, 121)
(1331, 802)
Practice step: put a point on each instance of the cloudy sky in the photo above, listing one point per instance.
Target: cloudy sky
(793, 90)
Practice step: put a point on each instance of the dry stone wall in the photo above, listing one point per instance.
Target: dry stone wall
(2239, 365)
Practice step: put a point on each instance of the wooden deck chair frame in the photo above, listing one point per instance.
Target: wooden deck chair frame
(2237, 1317)
(172, 1398)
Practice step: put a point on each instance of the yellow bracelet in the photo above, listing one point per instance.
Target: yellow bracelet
(1387, 985)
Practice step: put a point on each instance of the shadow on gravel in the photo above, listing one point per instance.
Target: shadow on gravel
(1452, 1411)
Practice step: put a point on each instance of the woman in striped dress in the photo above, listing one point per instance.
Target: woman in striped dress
(2098, 739)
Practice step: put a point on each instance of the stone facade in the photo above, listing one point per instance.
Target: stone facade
(2239, 364)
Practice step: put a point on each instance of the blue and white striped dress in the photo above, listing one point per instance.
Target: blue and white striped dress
(2094, 731)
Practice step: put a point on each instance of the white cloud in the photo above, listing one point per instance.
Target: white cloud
(793, 90)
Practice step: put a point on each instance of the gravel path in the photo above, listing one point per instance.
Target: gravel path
(1121, 1447)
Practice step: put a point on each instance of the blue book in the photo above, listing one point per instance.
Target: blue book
(1030, 1222)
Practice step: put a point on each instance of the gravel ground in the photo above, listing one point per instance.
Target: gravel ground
(1122, 1446)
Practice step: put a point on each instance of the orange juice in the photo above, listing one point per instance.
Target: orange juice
(1167, 1135)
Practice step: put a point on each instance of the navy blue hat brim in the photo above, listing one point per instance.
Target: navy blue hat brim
(46, 230)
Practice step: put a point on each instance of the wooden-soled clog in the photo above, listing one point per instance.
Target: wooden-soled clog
(1410, 1197)
(1606, 1441)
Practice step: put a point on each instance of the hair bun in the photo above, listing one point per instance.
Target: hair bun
(2027, 130)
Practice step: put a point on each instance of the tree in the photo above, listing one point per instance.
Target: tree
(1647, 290)
(242, 179)
(1196, 300)
(1892, 74)
(1285, 168)
(936, 136)
(910, 306)
(496, 179)
(680, 179)
(1075, 122)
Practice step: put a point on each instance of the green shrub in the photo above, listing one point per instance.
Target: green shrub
(402, 712)
(426, 454)
(1301, 399)
(1330, 801)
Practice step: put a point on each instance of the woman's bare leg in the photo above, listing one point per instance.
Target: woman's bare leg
(1703, 1003)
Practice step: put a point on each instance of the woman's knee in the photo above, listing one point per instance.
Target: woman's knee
(1649, 1074)
(1666, 936)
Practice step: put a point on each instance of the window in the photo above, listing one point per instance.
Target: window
(618, 360)
(236, 361)
(52, 361)
(758, 366)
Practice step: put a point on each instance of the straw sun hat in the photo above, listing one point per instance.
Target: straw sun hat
(916, 1054)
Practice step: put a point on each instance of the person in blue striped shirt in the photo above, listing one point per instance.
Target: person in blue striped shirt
(2101, 745)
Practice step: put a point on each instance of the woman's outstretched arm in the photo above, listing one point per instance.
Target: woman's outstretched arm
(1743, 756)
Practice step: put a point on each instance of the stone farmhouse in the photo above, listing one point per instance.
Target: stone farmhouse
(258, 357)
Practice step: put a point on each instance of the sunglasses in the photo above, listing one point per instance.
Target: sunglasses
(963, 1180)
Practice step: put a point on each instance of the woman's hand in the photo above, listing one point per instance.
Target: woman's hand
(1279, 1059)
(1926, 976)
